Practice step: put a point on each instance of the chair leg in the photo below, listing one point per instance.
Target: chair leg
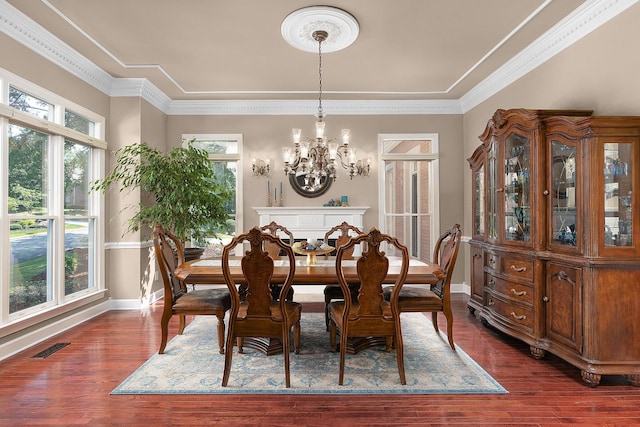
(434, 320)
(183, 323)
(296, 338)
(327, 300)
(285, 352)
(164, 326)
(332, 335)
(240, 343)
(227, 356)
(343, 355)
(449, 315)
(400, 357)
(221, 332)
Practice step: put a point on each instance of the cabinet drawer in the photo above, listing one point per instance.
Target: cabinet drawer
(517, 267)
(515, 291)
(510, 313)
(493, 261)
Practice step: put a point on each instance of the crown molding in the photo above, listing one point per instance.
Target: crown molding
(586, 18)
(309, 107)
(24, 30)
(582, 21)
(142, 88)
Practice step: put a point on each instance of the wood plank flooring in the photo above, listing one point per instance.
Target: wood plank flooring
(71, 387)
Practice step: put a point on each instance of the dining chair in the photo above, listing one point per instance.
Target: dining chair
(437, 297)
(274, 251)
(332, 291)
(177, 299)
(258, 314)
(367, 313)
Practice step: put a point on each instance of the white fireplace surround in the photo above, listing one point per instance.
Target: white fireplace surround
(311, 222)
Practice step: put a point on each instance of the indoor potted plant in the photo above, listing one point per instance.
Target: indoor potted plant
(188, 199)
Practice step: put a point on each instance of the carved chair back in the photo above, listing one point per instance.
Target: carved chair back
(344, 236)
(274, 228)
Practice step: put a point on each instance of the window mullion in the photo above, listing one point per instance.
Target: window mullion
(5, 238)
(56, 212)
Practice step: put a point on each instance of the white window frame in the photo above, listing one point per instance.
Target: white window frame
(434, 180)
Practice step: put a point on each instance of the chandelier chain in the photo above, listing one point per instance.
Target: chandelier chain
(320, 77)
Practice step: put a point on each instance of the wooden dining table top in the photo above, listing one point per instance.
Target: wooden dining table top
(209, 271)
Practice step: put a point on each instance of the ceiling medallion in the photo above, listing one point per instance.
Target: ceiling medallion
(298, 28)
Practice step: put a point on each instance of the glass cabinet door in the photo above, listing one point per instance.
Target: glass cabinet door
(618, 191)
(492, 196)
(478, 201)
(517, 188)
(564, 169)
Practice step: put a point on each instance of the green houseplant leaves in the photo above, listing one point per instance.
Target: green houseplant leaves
(189, 199)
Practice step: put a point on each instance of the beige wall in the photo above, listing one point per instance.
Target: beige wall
(599, 73)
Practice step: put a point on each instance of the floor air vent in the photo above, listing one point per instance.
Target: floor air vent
(49, 351)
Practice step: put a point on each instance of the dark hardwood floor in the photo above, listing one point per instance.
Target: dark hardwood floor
(71, 387)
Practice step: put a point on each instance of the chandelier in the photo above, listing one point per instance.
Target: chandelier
(316, 159)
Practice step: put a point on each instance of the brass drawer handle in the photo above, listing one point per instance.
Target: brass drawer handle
(518, 294)
(518, 269)
(521, 317)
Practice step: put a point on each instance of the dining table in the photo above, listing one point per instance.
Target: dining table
(322, 271)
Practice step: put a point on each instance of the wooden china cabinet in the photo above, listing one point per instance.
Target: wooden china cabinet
(555, 252)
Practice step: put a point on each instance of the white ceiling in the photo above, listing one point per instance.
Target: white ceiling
(409, 50)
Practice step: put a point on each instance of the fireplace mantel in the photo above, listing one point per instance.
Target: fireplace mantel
(312, 222)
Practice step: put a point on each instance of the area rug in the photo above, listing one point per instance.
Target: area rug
(191, 364)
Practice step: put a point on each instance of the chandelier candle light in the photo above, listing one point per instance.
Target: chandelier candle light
(317, 158)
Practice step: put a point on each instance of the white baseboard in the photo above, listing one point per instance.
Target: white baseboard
(135, 304)
(460, 288)
(30, 339)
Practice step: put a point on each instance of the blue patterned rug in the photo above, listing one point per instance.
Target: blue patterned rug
(192, 365)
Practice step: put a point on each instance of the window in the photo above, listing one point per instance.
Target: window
(50, 222)
(78, 122)
(409, 190)
(30, 104)
(79, 227)
(225, 152)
